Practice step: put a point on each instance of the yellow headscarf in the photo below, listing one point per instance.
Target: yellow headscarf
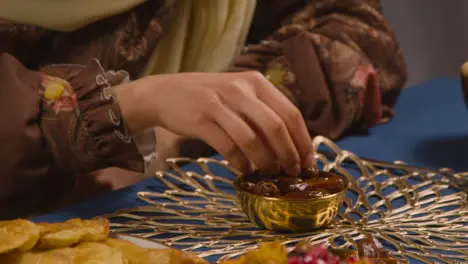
(204, 36)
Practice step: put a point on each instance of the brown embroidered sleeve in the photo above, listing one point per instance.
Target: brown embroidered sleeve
(57, 122)
(337, 60)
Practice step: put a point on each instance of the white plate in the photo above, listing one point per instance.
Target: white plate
(141, 242)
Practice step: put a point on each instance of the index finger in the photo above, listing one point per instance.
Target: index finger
(292, 117)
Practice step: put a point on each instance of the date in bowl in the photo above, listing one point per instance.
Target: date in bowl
(291, 204)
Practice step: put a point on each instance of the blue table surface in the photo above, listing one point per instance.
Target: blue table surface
(430, 130)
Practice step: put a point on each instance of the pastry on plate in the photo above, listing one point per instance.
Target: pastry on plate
(78, 241)
(20, 235)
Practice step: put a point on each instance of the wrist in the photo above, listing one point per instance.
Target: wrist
(131, 98)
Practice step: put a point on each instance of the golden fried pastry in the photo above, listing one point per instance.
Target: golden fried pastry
(88, 252)
(172, 256)
(97, 253)
(72, 232)
(271, 252)
(78, 242)
(138, 255)
(96, 230)
(21, 235)
(178, 257)
(37, 257)
(133, 253)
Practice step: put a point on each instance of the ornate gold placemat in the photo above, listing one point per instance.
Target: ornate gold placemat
(413, 211)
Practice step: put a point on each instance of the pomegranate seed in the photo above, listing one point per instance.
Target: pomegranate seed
(324, 255)
(295, 260)
(352, 260)
(334, 260)
(310, 259)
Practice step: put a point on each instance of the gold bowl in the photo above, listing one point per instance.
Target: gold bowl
(290, 215)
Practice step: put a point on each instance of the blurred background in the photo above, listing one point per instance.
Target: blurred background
(433, 35)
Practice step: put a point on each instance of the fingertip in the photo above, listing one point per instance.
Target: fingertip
(295, 171)
(274, 169)
(240, 164)
(309, 161)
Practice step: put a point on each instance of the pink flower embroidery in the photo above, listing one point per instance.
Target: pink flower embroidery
(65, 104)
(58, 94)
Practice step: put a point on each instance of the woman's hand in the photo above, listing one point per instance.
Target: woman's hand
(242, 115)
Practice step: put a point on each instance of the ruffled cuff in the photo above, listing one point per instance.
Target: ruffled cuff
(146, 144)
(98, 136)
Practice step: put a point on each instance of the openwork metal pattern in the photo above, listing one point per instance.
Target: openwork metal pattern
(414, 212)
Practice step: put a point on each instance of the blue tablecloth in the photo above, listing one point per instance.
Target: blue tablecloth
(429, 130)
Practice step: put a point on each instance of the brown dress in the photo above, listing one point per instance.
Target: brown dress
(339, 62)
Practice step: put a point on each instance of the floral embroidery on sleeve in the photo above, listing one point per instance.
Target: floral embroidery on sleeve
(58, 95)
(280, 76)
